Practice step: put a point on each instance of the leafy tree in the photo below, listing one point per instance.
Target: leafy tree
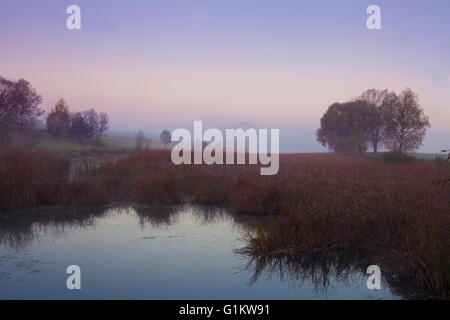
(166, 137)
(19, 102)
(345, 127)
(405, 122)
(58, 120)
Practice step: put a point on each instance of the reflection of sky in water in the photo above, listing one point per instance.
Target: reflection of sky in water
(146, 254)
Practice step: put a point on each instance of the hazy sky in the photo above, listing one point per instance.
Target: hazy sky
(275, 64)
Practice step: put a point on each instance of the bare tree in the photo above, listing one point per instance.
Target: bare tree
(91, 120)
(378, 99)
(103, 125)
(88, 124)
(405, 122)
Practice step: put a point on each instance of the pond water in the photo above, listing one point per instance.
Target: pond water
(180, 252)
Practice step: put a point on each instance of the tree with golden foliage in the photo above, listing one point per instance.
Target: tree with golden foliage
(58, 120)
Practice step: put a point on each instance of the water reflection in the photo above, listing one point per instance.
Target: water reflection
(157, 217)
(19, 229)
(322, 272)
(208, 238)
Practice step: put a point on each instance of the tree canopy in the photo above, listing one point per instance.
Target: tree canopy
(405, 122)
(377, 117)
(77, 125)
(19, 103)
(345, 126)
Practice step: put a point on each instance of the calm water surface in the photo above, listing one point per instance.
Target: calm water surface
(155, 253)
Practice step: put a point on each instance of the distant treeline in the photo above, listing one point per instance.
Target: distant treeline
(76, 125)
(20, 114)
(377, 118)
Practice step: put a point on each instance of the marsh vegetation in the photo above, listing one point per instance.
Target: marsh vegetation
(318, 204)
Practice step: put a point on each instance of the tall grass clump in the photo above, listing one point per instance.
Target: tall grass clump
(31, 178)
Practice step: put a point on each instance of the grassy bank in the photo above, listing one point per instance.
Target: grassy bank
(317, 204)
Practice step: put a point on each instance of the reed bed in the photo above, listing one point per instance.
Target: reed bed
(31, 178)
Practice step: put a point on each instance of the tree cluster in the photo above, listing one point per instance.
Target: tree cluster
(377, 118)
(76, 125)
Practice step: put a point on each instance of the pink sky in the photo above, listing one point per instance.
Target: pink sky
(169, 68)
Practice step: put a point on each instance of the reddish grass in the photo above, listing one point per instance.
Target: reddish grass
(29, 179)
(398, 213)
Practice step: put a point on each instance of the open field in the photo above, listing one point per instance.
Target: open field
(113, 146)
(317, 204)
(110, 143)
